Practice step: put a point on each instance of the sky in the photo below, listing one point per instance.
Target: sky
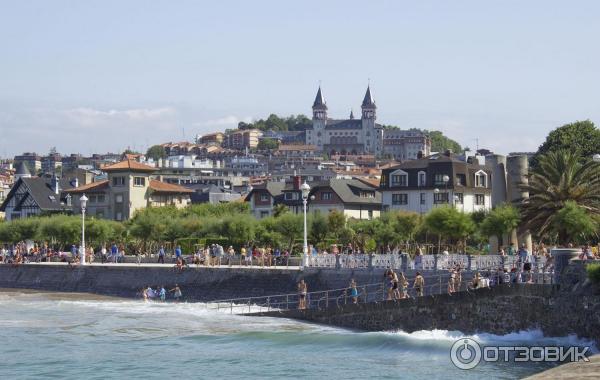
(101, 76)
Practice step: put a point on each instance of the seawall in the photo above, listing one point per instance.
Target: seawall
(198, 284)
(500, 310)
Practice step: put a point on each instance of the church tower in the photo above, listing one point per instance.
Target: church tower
(371, 143)
(317, 135)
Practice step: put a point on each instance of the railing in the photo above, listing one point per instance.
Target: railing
(376, 292)
(404, 262)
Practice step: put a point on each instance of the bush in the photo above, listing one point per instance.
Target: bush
(593, 272)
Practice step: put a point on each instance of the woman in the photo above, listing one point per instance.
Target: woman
(390, 285)
(353, 291)
(395, 289)
(403, 285)
(176, 292)
(302, 292)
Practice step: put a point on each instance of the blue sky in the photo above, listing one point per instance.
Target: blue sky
(99, 76)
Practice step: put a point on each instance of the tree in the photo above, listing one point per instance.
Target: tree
(318, 229)
(580, 135)
(336, 221)
(268, 144)
(500, 221)
(441, 143)
(279, 210)
(406, 224)
(449, 222)
(291, 227)
(560, 177)
(156, 152)
(573, 223)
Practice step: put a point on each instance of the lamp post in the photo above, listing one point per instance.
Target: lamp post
(446, 179)
(596, 157)
(436, 191)
(305, 188)
(83, 200)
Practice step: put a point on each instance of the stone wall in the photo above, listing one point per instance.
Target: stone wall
(572, 307)
(198, 284)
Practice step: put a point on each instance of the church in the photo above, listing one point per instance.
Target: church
(364, 135)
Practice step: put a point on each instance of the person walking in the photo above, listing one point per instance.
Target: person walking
(161, 255)
(302, 293)
(419, 284)
(353, 291)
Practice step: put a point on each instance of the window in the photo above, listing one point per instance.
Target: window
(458, 198)
(399, 199)
(92, 199)
(423, 198)
(400, 180)
(367, 194)
(480, 179)
(139, 181)
(101, 198)
(439, 179)
(422, 179)
(461, 180)
(327, 196)
(264, 197)
(480, 199)
(118, 181)
(264, 214)
(119, 216)
(440, 197)
(119, 199)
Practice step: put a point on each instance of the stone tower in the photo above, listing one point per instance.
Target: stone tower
(319, 120)
(369, 115)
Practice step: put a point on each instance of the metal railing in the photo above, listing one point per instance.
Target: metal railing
(375, 292)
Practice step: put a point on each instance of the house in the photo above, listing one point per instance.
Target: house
(33, 196)
(440, 179)
(129, 187)
(213, 194)
(354, 198)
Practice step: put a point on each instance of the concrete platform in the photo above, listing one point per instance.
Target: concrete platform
(580, 370)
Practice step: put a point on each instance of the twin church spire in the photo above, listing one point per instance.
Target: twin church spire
(368, 106)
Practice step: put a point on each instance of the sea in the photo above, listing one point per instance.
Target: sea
(45, 335)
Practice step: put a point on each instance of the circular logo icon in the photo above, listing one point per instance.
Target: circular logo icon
(465, 353)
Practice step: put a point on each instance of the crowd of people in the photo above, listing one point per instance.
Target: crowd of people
(160, 293)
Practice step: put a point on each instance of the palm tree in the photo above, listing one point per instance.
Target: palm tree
(559, 178)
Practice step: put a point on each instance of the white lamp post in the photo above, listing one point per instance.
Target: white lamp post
(446, 179)
(83, 200)
(436, 191)
(305, 188)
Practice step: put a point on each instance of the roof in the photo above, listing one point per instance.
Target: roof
(41, 191)
(349, 191)
(163, 187)
(343, 124)
(319, 100)
(128, 165)
(368, 99)
(22, 169)
(90, 187)
(273, 188)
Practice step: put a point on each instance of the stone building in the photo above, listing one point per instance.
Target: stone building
(364, 135)
(129, 187)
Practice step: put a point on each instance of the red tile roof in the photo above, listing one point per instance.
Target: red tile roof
(163, 187)
(128, 165)
(90, 187)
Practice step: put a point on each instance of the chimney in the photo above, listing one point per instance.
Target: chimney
(55, 185)
(420, 154)
(448, 152)
(297, 182)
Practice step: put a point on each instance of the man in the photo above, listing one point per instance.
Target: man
(114, 252)
(161, 255)
(177, 253)
(419, 284)
(103, 252)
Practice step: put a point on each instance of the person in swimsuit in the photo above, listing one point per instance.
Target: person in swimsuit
(176, 292)
(419, 284)
(302, 291)
(396, 291)
(390, 285)
(163, 294)
(353, 291)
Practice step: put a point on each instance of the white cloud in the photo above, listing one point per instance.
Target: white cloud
(226, 121)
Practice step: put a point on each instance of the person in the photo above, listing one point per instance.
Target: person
(403, 285)
(457, 279)
(501, 252)
(395, 289)
(162, 293)
(230, 254)
(161, 255)
(451, 282)
(527, 263)
(302, 292)
(476, 281)
(277, 255)
(177, 252)
(103, 251)
(390, 284)
(419, 284)
(150, 293)
(353, 291)
(176, 292)
(114, 252)
(243, 254)
(445, 252)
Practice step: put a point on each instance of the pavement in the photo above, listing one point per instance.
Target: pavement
(171, 266)
(577, 370)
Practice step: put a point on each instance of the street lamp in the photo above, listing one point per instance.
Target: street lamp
(446, 179)
(83, 201)
(305, 188)
(596, 157)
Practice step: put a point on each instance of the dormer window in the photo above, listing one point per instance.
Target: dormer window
(481, 179)
(422, 179)
(399, 178)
